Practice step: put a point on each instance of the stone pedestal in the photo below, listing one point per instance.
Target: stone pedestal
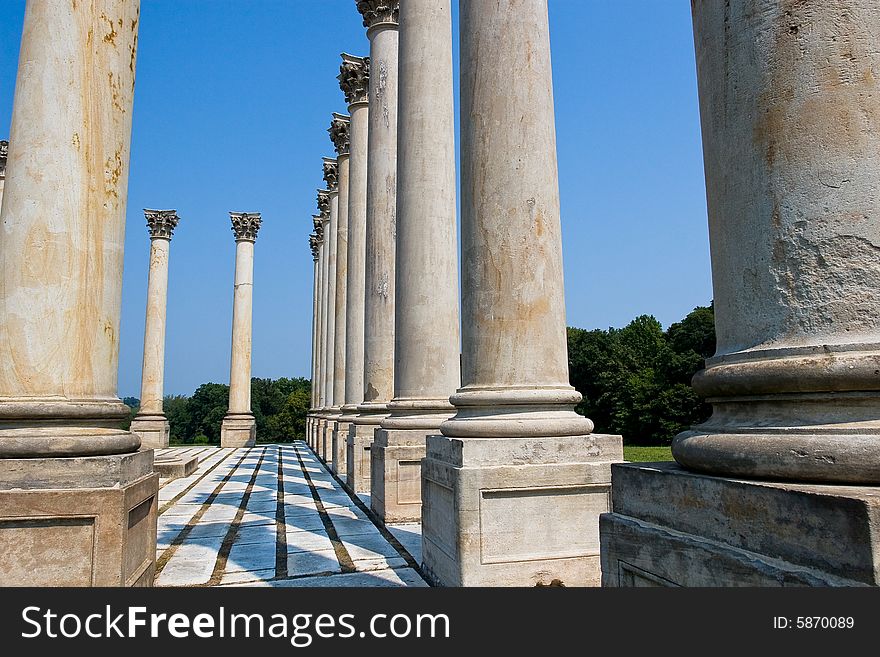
(357, 457)
(78, 521)
(671, 527)
(238, 430)
(515, 512)
(154, 430)
(395, 474)
(339, 448)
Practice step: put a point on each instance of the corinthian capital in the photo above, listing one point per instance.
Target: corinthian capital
(245, 225)
(354, 78)
(324, 204)
(331, 173)
(338, 130)
(314, 245)
(4, 149)
(161, 223)
(379, 11)
(318, 223)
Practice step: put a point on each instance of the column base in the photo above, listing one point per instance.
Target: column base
(671, 527)
(339, 448)
(357, 457)
(238, 430)
(78, 521)
(396, 474)
(515, 511)
(154, 430)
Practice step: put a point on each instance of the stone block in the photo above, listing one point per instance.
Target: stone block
(238, 430)
(672, 527)
(358, 451)
(173, 465)
(339, 449)
(396, 474)
(87, 521)
(154, 430)
(515, 511)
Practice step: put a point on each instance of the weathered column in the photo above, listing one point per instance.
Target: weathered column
(791, 132)
(380, 19)
(77, 498)
(318, 221)
(354, 77)
(150, 423)
(514, 486)
(339, 135)
(426, 336)
(314, 246)
(328, 204)
(239, 429)
(4, 147)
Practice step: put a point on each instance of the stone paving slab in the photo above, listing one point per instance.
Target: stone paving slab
(272, 515)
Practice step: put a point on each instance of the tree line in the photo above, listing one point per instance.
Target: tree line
(635, 381)
(279, 407)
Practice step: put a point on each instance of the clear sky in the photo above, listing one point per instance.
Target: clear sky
(232, 104)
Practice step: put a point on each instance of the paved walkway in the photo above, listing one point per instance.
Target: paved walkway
(273, 515)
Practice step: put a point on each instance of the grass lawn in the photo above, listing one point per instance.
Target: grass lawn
(640, 454)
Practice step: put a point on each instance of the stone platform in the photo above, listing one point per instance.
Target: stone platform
(671, 527)
(273, 515)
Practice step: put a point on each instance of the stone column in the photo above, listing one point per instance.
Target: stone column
(328, 203)
(380, 19)
(513, 489)
(319, 338)
(354, 76)
(239, 428)
(77, 498)
(339, 135)
(150, 423)
(426, 345)
(4, 147)
(791, 131)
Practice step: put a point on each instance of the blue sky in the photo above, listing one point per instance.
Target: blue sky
(232, 104)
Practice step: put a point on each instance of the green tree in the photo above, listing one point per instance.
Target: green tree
(176, 409)
(206, 409)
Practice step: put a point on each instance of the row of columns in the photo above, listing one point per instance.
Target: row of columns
(483, 446)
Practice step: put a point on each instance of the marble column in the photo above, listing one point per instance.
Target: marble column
(4, 147)
(318, 424)
(77, 497)
(339, 135)
(513, 489)
(150, 423)
(328, 204)
(380, 19)
(426, 332)
(239, 428)
(791, 130)
(354, 76)
(315, 247)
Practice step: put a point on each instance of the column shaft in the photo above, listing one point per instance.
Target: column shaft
(339, 365)
(528, 479)
(152, 375)
(63, 227)
(77, 498)
(239, 427)
(790, 149)
(330, 307)
(426, 330)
